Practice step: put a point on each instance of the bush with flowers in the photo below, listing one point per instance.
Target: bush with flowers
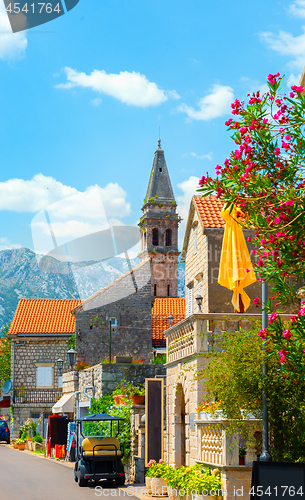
(156, 469)
(186, 480)
(263, 181)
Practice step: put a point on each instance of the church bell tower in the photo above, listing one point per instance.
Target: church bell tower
(159, 229)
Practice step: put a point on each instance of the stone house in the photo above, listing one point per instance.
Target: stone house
(201, 253)
(39, 333)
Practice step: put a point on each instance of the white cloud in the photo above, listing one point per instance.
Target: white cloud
(20, 195)
(5, 244)
(213, 105)
(286, 44)
(208, 156)
(298, 8)
(97, 101)
(132, 89)
(188, 189)
(84, 204)
(42, 192)
(12, 45)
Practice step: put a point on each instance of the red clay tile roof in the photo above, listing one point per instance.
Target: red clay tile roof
(44, 316)
(209, 209)
(161, 309)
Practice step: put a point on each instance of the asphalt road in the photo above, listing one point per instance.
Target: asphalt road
(25, 476)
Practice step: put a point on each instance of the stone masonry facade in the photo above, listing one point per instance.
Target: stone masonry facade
(36, 352)
(128, 301)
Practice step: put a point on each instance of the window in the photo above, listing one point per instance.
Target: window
(155, 237)
(160, 169)
(34, 415)
(113, 321)
(168, 238)
(190, 301)
(155, 290)
(168, 290)
(44, 376)
(195, 240)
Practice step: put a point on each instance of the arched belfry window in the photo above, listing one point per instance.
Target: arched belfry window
(168, 238)
(155, 290)
(168, 290)
(155, 237)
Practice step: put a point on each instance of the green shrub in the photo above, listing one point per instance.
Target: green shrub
(37, 439)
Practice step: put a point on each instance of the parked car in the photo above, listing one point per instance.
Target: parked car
(4, 432)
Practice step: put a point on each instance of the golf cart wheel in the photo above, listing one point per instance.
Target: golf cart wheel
(120, 481)
(81, 480)
(75, 473)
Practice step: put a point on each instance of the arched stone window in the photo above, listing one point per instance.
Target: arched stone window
(168, 238)
(155, 237)
(168, 290)
(155, 290)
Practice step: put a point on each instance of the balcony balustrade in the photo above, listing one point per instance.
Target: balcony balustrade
(198, 333)
(36, 395)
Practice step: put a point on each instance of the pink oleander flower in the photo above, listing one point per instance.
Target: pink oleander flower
(263, 333)
(277, 151)
(287, 334)
(273, 317)
(161, 461)
(293, 318)
(277, 220)
(249, 238)
(256, 301)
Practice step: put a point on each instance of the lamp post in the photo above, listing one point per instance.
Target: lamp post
(265, 455)
(199, 302)
(71, 357)
(170, 320)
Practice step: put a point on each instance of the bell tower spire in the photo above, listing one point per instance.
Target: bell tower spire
(159, 225)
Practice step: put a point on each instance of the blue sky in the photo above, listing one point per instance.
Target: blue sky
(82, 99)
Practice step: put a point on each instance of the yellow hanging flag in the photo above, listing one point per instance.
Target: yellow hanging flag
(235, 270)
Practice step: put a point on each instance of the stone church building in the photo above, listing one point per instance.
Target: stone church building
(138, 303)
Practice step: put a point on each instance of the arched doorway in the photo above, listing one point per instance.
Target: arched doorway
(180, 435)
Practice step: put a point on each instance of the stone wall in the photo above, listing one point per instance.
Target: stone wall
(105, 377)
(38, 351)
(70, 382)
(128, 299)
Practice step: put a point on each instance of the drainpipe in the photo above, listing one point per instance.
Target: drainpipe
(88, 396)
(76, 395)
(13, 378)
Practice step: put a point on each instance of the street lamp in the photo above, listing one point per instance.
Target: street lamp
(60, 365)
(199, 300)
(71, 357)
(170, 320)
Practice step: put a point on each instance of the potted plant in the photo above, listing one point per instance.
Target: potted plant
(125, 392)
(242, 454)
(14, 444)
(157, 473)
(37, 442)
(138, 395)
(20, 444)
(207, 484)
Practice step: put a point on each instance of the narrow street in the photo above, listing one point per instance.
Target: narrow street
(29, 477)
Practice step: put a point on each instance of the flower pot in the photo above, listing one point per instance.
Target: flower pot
(15, 446)
(21, 446)
(138, 399)
(148, 485)
(242, 461)
(116, 400)
(159, 487)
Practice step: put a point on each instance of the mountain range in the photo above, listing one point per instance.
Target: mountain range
(21, 277)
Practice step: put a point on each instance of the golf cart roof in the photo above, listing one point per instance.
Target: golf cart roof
(97, 417)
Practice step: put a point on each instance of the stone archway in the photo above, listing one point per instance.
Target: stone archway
(180, 434)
